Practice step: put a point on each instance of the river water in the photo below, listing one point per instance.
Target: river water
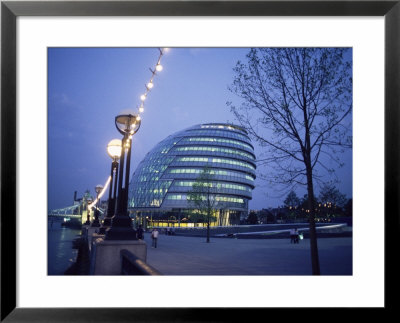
(59, 252)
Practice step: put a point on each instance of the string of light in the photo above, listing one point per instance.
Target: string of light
(101, 193)
(149, 85)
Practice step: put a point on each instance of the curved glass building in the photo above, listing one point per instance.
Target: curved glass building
(159, 186)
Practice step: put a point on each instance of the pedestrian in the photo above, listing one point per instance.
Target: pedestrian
(292, 236)
(296, 236)
(154, 236)
(140, 233)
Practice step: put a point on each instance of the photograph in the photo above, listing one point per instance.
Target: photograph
(179, 161)
(200, 161)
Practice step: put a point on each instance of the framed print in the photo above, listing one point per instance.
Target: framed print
(35, 37)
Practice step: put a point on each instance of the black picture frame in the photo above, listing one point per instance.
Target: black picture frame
(10, 10)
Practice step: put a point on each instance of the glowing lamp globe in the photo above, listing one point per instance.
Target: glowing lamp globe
(114, 149)
(98, 188)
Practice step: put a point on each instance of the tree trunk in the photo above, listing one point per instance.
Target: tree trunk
(313, 233)
(208, 229)
(310, 192)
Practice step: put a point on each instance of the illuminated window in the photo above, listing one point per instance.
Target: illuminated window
(215, 185)
(212, 172)
(217, 198)
(216, 149)
(222, 126)
(219, 140)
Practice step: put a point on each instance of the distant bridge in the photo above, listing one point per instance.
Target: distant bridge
(69, 212)
(79, 209)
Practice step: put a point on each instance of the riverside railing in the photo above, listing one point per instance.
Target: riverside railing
(132, 265)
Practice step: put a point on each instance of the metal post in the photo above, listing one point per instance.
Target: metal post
(111, 197)
(121, 224)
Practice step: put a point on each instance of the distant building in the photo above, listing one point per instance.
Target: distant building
(160, 185)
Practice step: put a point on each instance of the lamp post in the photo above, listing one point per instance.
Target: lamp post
(114, 149)
(121, 224)
(96, 222)
(85, 207)
(88, 202)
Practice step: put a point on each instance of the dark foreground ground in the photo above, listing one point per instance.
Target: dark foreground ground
(242, 250)
(183, 255)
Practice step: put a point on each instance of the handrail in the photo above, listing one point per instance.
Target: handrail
(132, 265)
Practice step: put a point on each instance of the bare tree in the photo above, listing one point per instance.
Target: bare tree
(203, 197)
(332, 200)
(295, 104)
(292, 202)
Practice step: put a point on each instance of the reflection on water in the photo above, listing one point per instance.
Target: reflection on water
(60, 253)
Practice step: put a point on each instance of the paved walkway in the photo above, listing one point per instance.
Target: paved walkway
(177, 255)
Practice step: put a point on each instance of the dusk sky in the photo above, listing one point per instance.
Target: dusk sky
(88, 87)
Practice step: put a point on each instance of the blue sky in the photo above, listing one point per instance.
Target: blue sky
(88, 87)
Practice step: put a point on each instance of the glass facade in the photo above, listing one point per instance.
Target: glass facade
(160, 185)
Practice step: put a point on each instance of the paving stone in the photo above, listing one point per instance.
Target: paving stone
(178, 255)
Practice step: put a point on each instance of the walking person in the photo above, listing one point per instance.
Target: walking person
(296, 236)
(293, 236)
(154, 236)
(139, 233)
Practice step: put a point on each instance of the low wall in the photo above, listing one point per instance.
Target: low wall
(232, 230)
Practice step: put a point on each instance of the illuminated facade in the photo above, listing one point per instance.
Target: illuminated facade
(159, 186)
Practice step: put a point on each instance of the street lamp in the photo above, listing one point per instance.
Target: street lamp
(114, 149)
(121, 224)
(96, 222)
(88, 201)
